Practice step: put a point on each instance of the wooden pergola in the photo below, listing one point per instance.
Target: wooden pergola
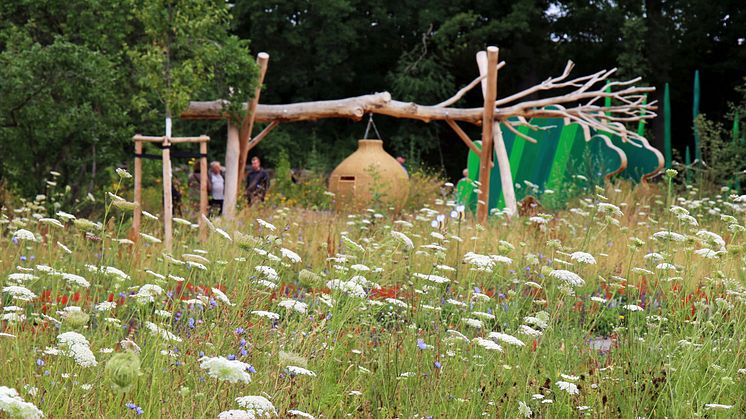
(582, 105)
(165, 143)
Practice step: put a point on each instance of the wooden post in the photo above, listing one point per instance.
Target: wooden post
(247, 125)
(232, 151)
(498, 145)
(167, 195)
(137, 215)
(489, 88)
(203, 190)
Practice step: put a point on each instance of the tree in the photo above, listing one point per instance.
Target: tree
(80, 77)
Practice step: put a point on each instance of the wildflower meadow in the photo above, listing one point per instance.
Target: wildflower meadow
(628, 304)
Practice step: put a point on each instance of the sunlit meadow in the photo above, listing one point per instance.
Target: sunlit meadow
(628, 304)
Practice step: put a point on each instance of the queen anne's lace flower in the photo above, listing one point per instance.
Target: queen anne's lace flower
(233, 371)
(569, 277)
(505, 338)
(257, 405)
(12, 404)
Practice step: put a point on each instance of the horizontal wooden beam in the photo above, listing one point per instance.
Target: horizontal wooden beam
(153, 139)
(351, 108)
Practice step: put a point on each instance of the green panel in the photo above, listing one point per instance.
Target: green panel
(640, 161)
(568, 145)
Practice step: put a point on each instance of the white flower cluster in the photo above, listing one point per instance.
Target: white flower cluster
(76, 346)
(12, 404)
(226, 370)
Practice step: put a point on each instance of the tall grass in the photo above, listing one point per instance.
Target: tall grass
(654, 330)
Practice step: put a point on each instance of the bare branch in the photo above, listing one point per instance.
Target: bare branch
(455, 98)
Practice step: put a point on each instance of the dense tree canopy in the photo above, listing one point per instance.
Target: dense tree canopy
(78, 77)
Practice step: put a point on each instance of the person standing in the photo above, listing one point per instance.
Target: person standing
(257, 182)
(216, 186)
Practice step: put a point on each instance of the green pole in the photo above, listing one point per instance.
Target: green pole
(667, 127)
(695, 113)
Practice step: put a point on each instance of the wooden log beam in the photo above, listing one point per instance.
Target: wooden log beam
(465, 138)
(247, 125)
(351, 108)
(203, 191)
(168, 209)
(489, 89)
(259, 137)
(230, 192)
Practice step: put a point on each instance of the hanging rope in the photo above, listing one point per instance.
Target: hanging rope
(371, 124)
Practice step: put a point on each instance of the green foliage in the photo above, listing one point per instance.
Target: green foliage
(723, 157)
(185, 50)
(80, 77)
(308, 191)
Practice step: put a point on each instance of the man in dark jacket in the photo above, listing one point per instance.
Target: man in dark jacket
(257, 182)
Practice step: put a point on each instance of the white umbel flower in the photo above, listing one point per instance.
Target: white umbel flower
(268, 272)
(432, 278)
(293, 370)
(163, 333)
(505, 338)
(226, 370)
(289, 254)
(291, 304)
(570, 388)
(300, 413)
(76, 280)
(488, 344)
(570, 278)
(403, 238)
(267, 314)
(236, 414)
(583, 257)
(257, 405)
(19, 293)
(22, 234)
(12, 404)
(77, 347)
(220, 295)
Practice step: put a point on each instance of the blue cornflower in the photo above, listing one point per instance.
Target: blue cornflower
(244, 352)
(252, 369)
(201, 354)
(242, 342)
(438, 365)
(477, 290)
(191, 323)
(231, 357)
(213, 303)
(23, 258)
(40, 362)
(240, 330)
(421, 344)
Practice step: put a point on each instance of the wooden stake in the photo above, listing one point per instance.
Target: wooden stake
(232, 151)
(203, 190)
(489, 89)
(167, 196)
(137, 215)
(262, 59)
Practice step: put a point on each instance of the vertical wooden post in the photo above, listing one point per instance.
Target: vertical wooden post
(167, 195)
(203, 190)
(247, 125)
(490, 93)
(137, 215)
(232, 151)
